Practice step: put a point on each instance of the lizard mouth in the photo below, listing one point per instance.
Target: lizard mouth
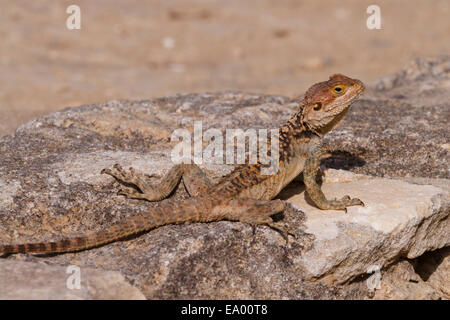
(360, 89)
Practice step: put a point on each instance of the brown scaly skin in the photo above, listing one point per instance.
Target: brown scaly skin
(243, 195)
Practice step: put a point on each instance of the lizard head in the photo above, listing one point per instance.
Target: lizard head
(326, 103)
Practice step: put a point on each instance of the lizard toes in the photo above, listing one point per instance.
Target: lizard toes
(127, 192)
(117, 167)
(356, 202)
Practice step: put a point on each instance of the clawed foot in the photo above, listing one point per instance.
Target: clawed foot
(260, 212)
(142, 190)
(345, 202)
(352, 201)
(285, 232)
(131, 193)
(130, 176)
(281, 228)
(337, 204)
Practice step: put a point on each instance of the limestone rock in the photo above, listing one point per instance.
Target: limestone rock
(401, 282)
(399, 219)
(434, 268)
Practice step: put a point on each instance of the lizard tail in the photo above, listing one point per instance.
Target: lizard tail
(189, 210)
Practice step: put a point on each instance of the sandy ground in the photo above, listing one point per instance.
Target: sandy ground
(141, 49)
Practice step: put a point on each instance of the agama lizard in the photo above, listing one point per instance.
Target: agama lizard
(243, 195)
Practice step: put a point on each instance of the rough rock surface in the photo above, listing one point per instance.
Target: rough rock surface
(31, 281)
(50, 188)
(401, 282)
(399, 219)
(434, 268)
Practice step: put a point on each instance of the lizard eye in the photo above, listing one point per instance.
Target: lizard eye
(318, 106)
(339, 89)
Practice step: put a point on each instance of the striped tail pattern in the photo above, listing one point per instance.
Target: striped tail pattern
(171, 212)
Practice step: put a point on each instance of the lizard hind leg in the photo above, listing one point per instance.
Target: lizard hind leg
(194, 179)
(256, 212)
(140, 181)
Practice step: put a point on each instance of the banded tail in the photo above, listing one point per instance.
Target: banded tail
(171, 212)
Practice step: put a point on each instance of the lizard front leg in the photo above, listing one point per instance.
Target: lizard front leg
(312, 166)
(194, 179)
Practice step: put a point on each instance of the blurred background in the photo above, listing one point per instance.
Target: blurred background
(136, 49)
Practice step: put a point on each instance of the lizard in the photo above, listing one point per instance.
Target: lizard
(245, 194)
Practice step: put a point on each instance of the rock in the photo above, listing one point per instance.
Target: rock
(424, 82)
(399, 219)
(434, 268)
(39, 281)
(401, 282)
(51, 188)
(385, 83)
